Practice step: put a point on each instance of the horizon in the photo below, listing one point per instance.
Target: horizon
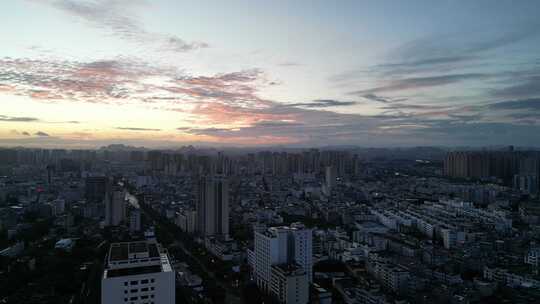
(165, 74)
(283, 148)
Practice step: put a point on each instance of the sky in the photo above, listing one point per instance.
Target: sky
(167, 73)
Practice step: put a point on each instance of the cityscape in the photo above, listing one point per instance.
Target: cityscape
(125, 225)
(287, 152)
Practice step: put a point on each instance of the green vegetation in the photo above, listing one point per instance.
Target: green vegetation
(47, 275)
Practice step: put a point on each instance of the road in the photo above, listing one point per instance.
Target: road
(230, 296)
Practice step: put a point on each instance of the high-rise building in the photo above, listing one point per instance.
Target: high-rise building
(330, 178)
(500, 165)
(290, 246)
(213, 206)
(137, 272)
(115, 207)
(96, 187)
(155, 160)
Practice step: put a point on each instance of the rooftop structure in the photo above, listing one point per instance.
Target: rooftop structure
(138, 272)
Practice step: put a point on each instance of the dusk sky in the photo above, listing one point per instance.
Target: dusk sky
(82, 74)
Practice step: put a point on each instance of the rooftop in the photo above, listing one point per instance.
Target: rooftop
(289, 269)
(132, 250)
(133, 258)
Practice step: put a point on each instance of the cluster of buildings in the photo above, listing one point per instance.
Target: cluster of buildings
(303, 226)
(516, 168)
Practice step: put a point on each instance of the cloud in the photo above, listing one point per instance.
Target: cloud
(525, 104)
(41, 134)
(454, 49)
(207, 131)
(111, 81)
(229, 107)
(420, 82)
(482, 133)
(278, 124)
(324, 103)
(116, 18)
(441, 53)
(136, 129)
(281, 124)
(373, 97)
(238, 89)
(404, 106)
(289, 64)
(18, 119)
(529, 87)
(525, 115)
(128, 82)
(427, 62)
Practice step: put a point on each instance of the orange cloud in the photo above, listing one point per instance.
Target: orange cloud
(7, 88)
(222, 114)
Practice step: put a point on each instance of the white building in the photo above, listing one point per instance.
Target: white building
(137, 273)
(290, 284)
(13, 251)
(64, 244)
(280, 245)
(391, 276)
(505, 277)
(187, 221)
(452, 238)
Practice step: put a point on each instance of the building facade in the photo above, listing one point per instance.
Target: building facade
(115, 207)
(289, 284)
(213, 206)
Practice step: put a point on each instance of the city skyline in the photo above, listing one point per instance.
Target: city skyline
(83, 74)
(291, 226)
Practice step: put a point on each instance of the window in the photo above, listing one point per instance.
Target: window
(144, 281)
(152, 280)
(144, 289)
(133, 282)
(133, 298)
(152, 288)
(144, 297)
(133, 290)
(125, 283)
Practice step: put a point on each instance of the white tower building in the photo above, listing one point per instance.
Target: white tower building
(283, 246)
